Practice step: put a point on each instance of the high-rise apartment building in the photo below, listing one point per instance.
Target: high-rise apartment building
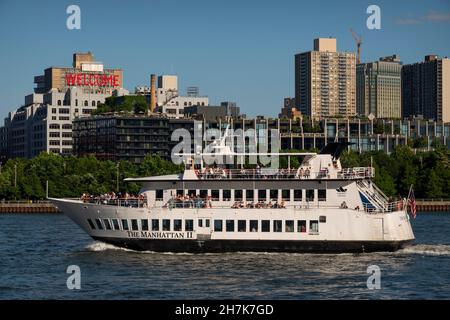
(426, 89)
(325, 81)
(379, 87)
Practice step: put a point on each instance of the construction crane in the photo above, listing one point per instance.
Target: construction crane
(358, 40)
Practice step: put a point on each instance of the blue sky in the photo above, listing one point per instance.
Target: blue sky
(233, 50)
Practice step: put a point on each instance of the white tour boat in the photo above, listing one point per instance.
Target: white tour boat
(319, 207)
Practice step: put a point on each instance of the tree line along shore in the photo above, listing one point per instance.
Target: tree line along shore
(69, 177)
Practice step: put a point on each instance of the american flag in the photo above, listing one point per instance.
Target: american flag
(412, 203)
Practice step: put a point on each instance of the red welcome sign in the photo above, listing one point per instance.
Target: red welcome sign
(92, 80)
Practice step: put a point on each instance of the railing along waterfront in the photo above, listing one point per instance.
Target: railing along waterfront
(282, 174)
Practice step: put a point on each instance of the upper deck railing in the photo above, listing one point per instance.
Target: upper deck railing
(122, 202)
(282, 174)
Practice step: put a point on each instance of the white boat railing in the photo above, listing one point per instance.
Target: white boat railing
(281, 174)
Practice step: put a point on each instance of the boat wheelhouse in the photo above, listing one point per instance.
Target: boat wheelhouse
(318, 207)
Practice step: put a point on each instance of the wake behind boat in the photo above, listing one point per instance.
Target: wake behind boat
(319, 207)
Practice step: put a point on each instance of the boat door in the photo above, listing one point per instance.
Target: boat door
(203, 228)
(378, 229)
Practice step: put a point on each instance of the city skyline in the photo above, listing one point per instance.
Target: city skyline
(248, 58)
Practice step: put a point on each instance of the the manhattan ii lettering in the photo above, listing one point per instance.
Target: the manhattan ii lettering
(160, 235)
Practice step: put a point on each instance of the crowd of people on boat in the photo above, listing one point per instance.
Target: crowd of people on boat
(186, 201)
(259, 205)
(258, 173)
(112, 198)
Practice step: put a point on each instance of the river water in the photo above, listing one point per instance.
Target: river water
(35, 251)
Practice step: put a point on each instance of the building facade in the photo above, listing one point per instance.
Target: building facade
(289, 110)
(426, 89)
(212, 113)
(169, 100)
(44, 122)
(122, 137)
(379, 87)
(325, 81)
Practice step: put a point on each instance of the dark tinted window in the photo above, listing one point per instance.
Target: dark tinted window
(265, 225)
(217, 225)
(242, 225)
(155, 225)
(230, 225)
(91, 224)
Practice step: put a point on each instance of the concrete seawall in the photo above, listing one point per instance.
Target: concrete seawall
(27, 207)
(442, 205)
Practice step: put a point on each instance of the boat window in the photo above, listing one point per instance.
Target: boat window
(189, 225)
(309, 195)
(242, 225)
(99, 224)
(107, 224)
(230, 225)
(166, 225)
(262, 195)
(215, 195)
(314, 226)
(226, 195)
(192, 193)
(253, 225)
(274, 195)
(180, 193)
(286, 195)
(134, 225)
(289, 226)
(217, 225)
(249, 194)
(91, 224)
(159, 195)
(323, 219)
(277, 225)
(301, 226)
(200, 223)
(115, 223)
(207, 223)
(124, 224)
(155, 225)
(265, 225)
(322, 194)
(297, 195)
(177, 225)
(203, 194)
(237, 195)
(144, 224)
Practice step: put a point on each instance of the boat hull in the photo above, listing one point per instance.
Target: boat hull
(220, 246)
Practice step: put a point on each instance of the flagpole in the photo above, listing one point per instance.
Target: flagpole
(409, 193)
(407, 199)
